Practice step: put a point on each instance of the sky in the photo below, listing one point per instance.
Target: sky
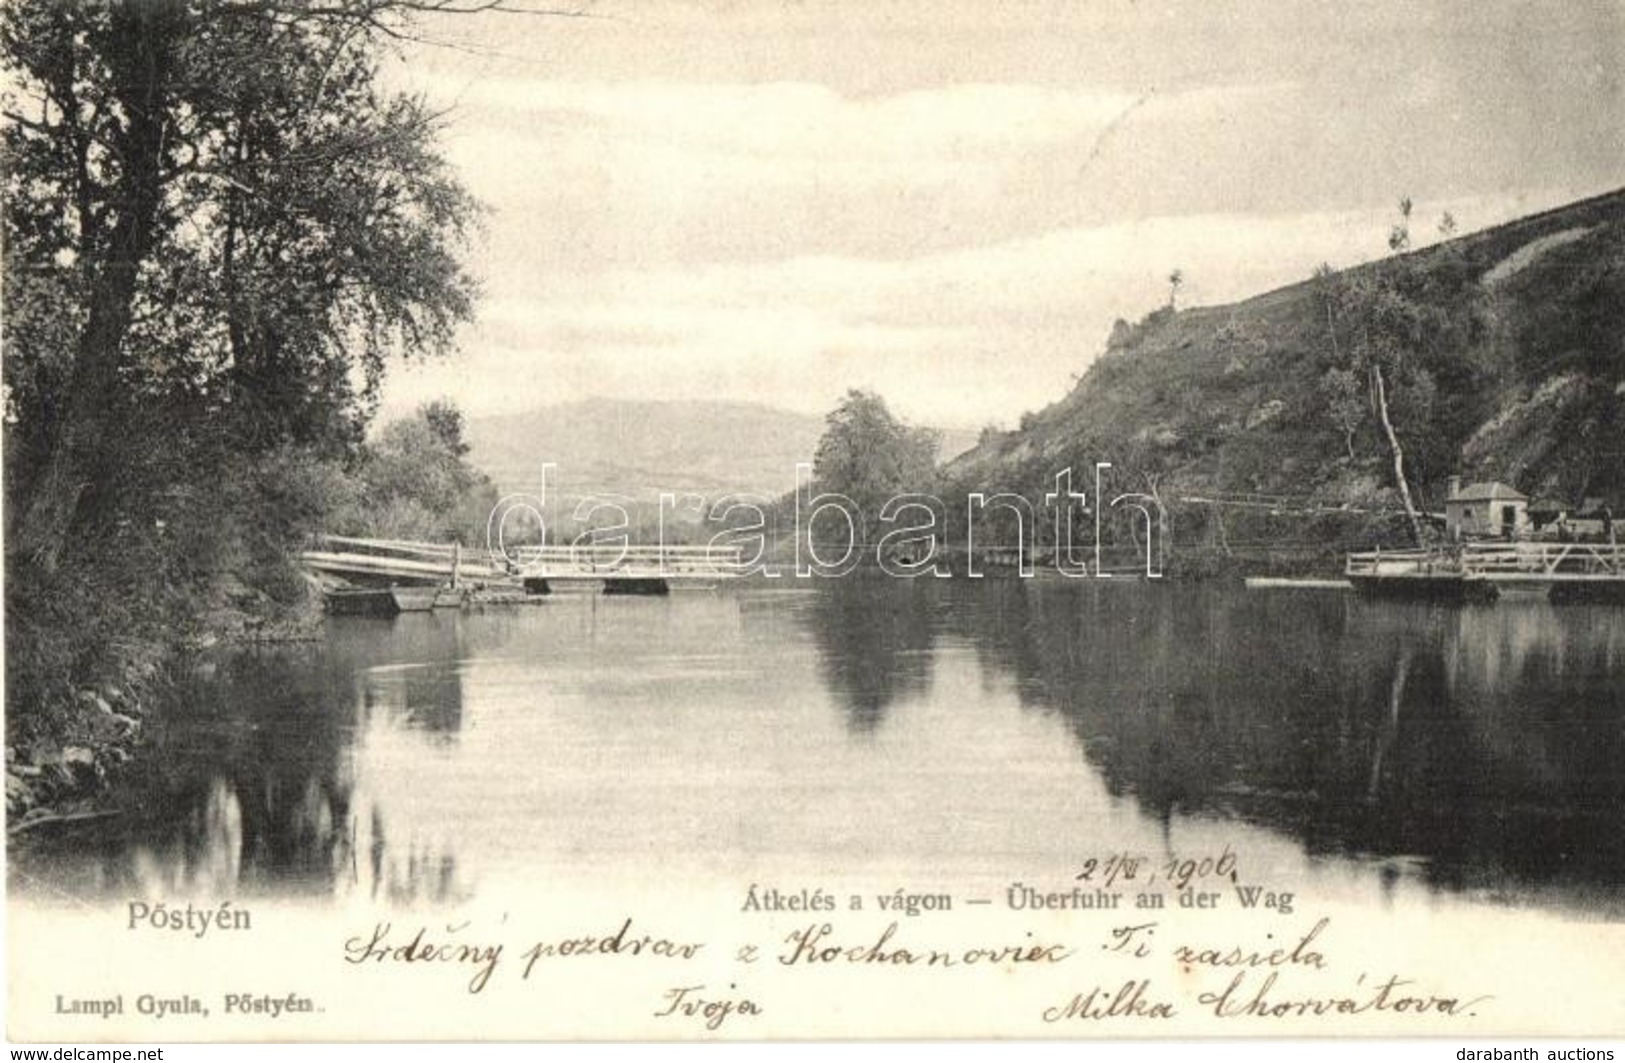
(950, 202)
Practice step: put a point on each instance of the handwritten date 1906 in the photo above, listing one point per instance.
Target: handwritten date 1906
(1179, 871)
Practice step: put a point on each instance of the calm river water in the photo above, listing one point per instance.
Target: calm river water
(948, 731)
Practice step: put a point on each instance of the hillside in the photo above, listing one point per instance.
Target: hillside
(639, 449)
(1519, 364)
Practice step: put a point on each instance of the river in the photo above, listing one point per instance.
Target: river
(932, 731)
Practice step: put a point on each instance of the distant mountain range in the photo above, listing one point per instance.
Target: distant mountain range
(640, 449)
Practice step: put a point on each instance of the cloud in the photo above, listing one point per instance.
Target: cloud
(964, 247)
(791, 128)
(955, 337)
(595, 176)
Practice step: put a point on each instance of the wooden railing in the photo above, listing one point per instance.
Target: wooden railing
(406, 558)
(1497, 561)
(1441, 561)
(340, 554)
(420, 561)
(1543, 559)
(629, 561)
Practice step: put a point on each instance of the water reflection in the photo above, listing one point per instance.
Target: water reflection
(1485, 744)
(874, 644)
(924, 724)
(251, 782)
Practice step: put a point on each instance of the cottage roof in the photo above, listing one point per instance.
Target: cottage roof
(1488, 492)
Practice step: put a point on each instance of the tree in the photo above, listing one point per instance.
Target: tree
(1399, 325)
(446, 420)
(414, 481)
(1394, 318)
(870, 456)
(1345, 401)
(217, 228)
(1384, 325)
(1399, 236)
(240, 223)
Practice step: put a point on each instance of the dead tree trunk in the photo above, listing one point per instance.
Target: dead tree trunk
(1380, 389)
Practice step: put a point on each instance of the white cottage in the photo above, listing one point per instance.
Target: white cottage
(1485, 509)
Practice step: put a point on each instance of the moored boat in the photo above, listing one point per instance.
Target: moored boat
(360, 601)
(381, 601)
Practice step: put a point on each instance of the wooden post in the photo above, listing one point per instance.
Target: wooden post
(456, 562)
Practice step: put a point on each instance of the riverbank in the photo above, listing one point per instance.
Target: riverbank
(50, 778)
(66, 756)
